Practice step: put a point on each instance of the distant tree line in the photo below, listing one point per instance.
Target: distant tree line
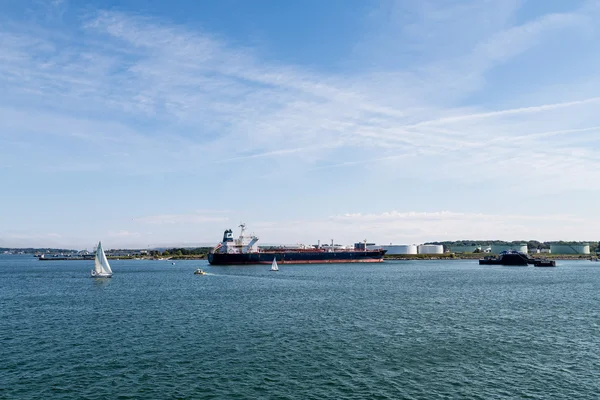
(180, 251)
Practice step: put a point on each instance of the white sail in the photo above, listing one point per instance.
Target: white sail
(101, 265)
(274, 266)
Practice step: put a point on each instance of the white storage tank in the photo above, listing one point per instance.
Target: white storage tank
(431, 249)
(570, 248)
(400, 249)
(499, 248)
(396, 248)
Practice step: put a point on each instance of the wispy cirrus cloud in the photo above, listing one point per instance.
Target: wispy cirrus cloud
(538, 109)
(173, 75)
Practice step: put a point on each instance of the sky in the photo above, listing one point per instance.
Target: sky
(153, 123)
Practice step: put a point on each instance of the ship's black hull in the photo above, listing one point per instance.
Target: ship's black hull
(291, 257)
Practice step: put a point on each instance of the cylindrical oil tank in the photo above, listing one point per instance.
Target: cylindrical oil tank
(400, 248)
(395, 248)
(431, 249)
(570, 248)
(499, 248)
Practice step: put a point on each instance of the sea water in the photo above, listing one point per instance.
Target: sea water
(395, 330)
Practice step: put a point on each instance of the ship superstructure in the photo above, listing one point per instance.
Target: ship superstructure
(242, 245)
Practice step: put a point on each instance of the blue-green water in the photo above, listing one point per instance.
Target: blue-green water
(397, 330)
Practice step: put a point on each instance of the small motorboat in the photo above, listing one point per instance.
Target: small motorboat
(199, 272)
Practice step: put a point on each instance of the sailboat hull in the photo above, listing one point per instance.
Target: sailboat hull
(100, 275)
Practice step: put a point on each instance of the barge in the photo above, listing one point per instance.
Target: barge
(514, 258)
(511, 258)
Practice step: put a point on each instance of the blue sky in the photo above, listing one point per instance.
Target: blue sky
(147, 123)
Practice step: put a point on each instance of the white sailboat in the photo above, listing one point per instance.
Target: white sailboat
(274, 266)
(101, 265)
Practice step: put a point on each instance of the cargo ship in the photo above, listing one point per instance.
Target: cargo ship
(244, 250)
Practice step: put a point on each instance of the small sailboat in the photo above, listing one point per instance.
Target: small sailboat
(101, 265)
(274, 266)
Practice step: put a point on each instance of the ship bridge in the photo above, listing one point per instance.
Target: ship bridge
(243, 244)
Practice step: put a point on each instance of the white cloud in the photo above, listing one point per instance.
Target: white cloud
(508, 43)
